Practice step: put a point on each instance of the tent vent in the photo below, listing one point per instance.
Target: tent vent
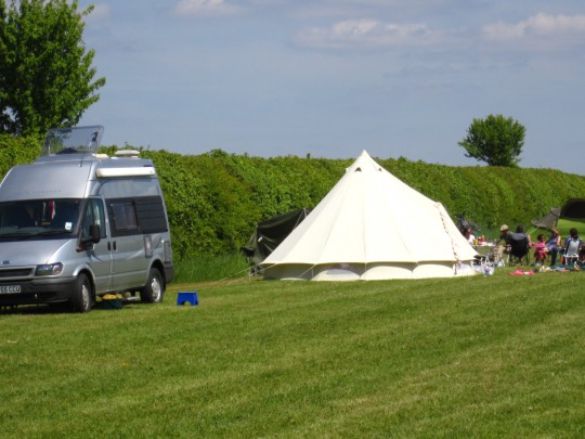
(358, 170)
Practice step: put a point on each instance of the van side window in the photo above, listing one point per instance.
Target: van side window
(123, 217)
(134, 216)
(151, 215)
(93, 214)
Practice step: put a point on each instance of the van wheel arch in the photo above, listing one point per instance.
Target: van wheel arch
(161, 269)
(83, 296)
(154, 289)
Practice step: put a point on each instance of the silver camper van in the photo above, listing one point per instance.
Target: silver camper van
(75, 225)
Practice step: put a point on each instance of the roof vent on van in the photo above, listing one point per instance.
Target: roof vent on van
(127, 153)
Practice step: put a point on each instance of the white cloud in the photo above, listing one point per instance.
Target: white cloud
(101, 12)
(540, 25)
(367, 33)
(205, 7)
(365, 8)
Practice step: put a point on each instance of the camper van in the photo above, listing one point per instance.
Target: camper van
(76, 225)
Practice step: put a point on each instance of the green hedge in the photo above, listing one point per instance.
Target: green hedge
(491, 195)
(215, 199)
(16, 150)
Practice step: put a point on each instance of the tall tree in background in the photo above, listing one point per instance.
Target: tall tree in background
(496, 140)
(46, 75)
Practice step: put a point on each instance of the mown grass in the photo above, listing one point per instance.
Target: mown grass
(498, 356)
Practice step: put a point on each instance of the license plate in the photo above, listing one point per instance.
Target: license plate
(10, 289)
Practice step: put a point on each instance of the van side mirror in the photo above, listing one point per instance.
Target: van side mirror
(95, 233)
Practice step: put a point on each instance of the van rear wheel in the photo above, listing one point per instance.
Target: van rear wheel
(82, 299)
(154, 289)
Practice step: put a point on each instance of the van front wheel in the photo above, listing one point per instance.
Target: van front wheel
(82, 299)
(154, 289)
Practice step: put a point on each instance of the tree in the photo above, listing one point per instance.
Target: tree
(495, 140)
(46, 74)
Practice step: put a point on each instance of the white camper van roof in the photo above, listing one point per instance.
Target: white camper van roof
(75, 173)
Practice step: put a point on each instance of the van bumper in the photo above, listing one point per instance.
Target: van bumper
(37, 291)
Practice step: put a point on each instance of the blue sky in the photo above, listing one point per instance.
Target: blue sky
(333, 77)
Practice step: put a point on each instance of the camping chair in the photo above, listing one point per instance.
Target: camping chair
(518, 247)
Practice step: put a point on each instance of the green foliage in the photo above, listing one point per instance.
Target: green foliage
(214, 200)
(495, 140)
(46, 76)
(16, 151)
(206, 267)
(490, 195)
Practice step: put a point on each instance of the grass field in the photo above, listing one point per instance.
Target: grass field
(498, 356)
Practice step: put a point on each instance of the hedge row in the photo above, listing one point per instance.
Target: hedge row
(16, 150)
(215, 199)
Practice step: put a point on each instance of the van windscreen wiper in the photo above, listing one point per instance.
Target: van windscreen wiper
(49, 232)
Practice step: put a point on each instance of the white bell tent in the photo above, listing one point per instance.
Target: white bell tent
(372, 226)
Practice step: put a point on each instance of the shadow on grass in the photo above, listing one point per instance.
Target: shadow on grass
(31, 309)
(58, 308)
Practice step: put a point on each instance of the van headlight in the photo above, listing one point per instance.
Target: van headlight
(49, 269)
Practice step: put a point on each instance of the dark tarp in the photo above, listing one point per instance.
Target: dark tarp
(270, 233)
(549, 221)
(574, 209)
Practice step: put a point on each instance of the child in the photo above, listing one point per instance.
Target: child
(540, 249)
(572, 247)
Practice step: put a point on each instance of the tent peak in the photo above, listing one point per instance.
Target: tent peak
(364, 162)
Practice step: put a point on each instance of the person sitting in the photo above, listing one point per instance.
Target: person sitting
(469, 236)
(553, 245)
(540, 249)
(501, 245)
(572, 247)
(518, 243)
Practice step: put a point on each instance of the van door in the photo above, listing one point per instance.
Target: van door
(100, 254)
(130, 264)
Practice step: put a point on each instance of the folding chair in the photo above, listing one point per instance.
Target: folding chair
(519, 247)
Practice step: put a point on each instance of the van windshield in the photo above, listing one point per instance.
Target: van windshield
(49, 217)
